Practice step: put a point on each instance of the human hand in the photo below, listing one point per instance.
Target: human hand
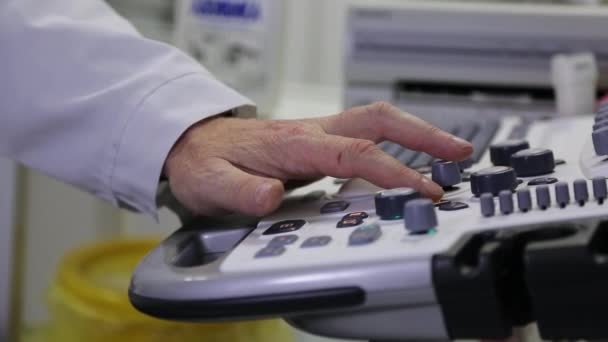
(241, 165)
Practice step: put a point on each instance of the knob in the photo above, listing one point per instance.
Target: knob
(562, 194)
(420, 216)
(524, 200)
(488, 207)
(389, 203)
(533, 162)
(600, 141)
(505, 199)
(446, 173)
(465, 164)
(493, 180)
(581, 194)
(599, 124)
(543, 199)
(501, 153)
(599, 189)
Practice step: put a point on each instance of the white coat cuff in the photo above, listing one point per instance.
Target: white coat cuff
(162, 117)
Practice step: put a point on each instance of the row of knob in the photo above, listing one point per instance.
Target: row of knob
(543, 198)
(600, 130)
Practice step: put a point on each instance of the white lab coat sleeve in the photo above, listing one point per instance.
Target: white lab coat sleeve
(85, 99)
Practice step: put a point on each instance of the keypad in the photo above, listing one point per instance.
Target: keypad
(270, 251)
(285, 227)
(365, 235)
(334, 207)
(283, 240)
(316, 241)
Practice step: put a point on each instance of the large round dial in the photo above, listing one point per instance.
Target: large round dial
(390, 203)
(500, 153)
(493, 180)
(533, 162)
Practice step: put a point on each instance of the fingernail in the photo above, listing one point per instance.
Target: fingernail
(460, 141)
(432, 188)
(262, 192)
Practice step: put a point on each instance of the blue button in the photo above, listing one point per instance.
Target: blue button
(270, 251)
(365, 235)
(316, 241)
(283, 240)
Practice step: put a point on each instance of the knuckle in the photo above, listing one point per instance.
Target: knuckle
(360, 147)
(381, 108)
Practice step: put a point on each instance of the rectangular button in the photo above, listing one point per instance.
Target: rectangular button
(365, 235)
(270, 251)
(316, 241)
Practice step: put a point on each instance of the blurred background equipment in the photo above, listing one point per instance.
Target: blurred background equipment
(8, 203)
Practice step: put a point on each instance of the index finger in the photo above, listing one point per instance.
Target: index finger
(383, 121)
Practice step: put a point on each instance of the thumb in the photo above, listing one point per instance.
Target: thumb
(234, 189)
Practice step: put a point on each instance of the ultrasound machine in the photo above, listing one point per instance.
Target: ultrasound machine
(521, 235)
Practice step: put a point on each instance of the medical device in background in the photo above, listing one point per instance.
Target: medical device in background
(575, 82)
(239, 41)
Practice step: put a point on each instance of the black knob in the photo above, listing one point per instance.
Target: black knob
(390, 203)
(533, 162)
(493, 180)
(500, 153)
(446, 173)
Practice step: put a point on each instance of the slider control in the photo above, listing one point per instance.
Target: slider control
(599, 189)
(581, 194)
(543, 199)
(524, 200)
(562, 194)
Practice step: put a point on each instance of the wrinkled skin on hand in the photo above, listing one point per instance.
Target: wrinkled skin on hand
(231, 164)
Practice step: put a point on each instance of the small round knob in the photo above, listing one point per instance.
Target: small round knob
(389, 203)
(600, 141)
(446, 173)
(488, 207)
(581, 193)
(505, 199)
(599, 189)
(562, 194)
(493, 180)
(420, 216)
(533, 162)
(524, 200)
(500, 153)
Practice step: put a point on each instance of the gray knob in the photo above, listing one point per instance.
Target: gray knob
(486, 202)
(533, 162)
(420, 216)
(599, 189)
(446, 173)
(600, 141)
(581, 194)
(493, 180)
(505, 199)
(500, 153)
(389, 203)
(524, 200)
(562, 194)
(543, 199)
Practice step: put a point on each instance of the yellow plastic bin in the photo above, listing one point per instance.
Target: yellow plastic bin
(88, 302)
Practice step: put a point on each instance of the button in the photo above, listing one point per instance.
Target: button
(487, 204)
(283, 240)
(270, 251)
(524, 200)
(500, 153)
(356, 214)
(446, 173)
(533, 162)
(349, 222)
(334, 207)
(452, 206)
(285, 227)
(420, 216)
(493, 180)
(581, 194)
(543, 199)
(505, 199)
(316, 241)
(542, 180)
(390, 203)
(600, 141)
(562, 194)
(599, 189)
(365, 235)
